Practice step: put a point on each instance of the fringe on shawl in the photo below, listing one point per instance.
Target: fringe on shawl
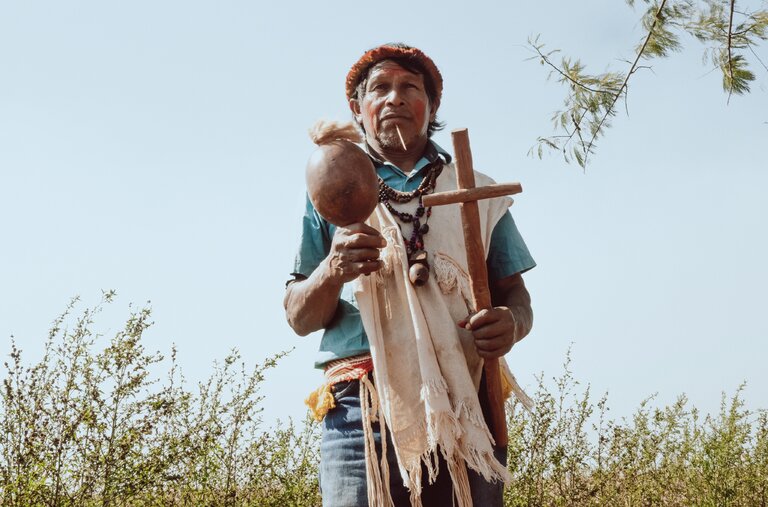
(451, 276)
(429, 462)
(463, 410)
(440, 428)
(483, 463)
(457, 460)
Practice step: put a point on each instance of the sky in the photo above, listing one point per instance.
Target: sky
(158, 149)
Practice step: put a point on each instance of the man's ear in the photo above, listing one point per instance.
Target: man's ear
(354, 105)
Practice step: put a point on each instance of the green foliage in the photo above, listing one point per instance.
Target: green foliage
(726, 39)
(567, 452)
(726, 30)
(85, 426)
(659, 21)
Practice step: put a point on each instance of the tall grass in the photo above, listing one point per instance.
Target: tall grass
(89, 425)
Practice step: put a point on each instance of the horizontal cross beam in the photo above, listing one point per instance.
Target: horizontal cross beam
(472, 194)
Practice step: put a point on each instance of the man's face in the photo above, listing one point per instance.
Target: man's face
(394, 97)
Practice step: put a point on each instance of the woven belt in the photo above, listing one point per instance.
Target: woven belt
(349, 368)
(321, 400)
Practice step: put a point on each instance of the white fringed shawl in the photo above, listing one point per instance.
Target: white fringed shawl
(426, 368)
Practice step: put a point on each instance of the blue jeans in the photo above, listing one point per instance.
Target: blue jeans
(342, 462)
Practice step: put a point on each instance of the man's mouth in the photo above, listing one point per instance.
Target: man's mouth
(393, 117)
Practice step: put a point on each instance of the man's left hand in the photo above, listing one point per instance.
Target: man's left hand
(495, 330)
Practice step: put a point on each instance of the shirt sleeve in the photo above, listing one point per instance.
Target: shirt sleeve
(508, 253)
(315, 242)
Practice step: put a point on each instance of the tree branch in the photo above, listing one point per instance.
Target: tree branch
(566, 76)
(730, 59)
(626, 80)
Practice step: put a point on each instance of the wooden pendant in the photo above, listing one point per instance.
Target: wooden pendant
(418, 272)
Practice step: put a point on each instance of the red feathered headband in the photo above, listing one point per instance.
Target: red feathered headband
(380, 53)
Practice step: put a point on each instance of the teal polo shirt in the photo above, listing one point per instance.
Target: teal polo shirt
(345, 336)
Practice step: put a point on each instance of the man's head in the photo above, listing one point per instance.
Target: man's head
(395, 87)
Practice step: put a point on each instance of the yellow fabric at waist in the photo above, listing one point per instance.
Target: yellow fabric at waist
(320, 401)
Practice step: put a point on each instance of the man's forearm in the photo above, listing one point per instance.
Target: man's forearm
(523, 319)
(311, 303)
(512, 293)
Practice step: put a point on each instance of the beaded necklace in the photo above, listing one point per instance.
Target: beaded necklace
(417, 256)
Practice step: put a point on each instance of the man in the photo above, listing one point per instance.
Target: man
(419, 344)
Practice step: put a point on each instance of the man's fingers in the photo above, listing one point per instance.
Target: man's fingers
(361, 236)
(489, 331)
(369, 240)
(495, 347)
(360, 240)
(354, 269)
(477, 320)
(481, 319)
(361, 227)
(368, 267)
(361, 254)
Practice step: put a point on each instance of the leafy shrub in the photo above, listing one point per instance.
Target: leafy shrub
(85, 426)
(566, 452)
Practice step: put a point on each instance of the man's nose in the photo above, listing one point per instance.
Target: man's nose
(395, 97)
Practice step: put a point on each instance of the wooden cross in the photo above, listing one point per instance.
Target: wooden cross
(467, 196)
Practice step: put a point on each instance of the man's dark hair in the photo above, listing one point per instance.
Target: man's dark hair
(411, 65)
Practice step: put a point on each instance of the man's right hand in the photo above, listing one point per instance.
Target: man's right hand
(355, 251)
(311, 303)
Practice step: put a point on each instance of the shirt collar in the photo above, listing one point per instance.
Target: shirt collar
(431, 153)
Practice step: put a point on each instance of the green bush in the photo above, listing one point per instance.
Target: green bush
(566, 452)
(88, 426)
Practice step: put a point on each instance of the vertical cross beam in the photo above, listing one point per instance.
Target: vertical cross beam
(467, 196)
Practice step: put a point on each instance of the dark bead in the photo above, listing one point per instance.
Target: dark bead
(424, 228)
